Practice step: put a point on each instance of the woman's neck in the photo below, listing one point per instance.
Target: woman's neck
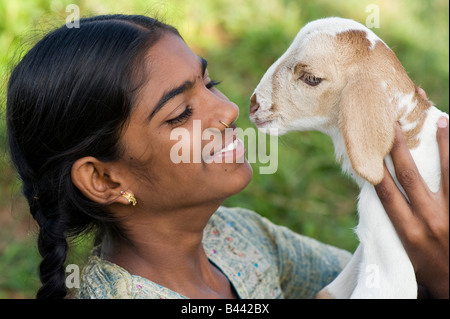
(167, 249)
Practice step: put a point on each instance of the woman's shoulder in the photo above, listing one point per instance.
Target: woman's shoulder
(274, 255)
(102, 279)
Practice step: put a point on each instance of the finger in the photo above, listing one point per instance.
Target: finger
(394, 203)
(442, 136)
(407, 173)
(422, 92)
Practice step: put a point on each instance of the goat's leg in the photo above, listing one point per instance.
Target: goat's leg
(344, 284)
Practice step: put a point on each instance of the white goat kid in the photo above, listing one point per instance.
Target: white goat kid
(339, 78)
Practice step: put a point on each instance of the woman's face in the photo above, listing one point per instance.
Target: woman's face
(181, 99)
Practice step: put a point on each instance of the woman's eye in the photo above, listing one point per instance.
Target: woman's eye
(212, 84)
(310, 79)
(182, 117)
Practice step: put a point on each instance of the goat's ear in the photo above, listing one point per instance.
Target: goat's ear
(367, 121)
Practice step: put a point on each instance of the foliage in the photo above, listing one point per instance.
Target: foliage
(240, 39)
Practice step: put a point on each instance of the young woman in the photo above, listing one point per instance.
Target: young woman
(89, 117)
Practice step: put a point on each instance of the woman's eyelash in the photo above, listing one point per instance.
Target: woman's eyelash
(188, 111)
(212, 84)
(182, 117)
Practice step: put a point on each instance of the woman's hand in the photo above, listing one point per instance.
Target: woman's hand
(423, 223)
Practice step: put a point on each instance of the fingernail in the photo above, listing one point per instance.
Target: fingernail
(442, 122)
(422, 92)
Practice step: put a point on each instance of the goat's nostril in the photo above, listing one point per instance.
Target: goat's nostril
(254, 106)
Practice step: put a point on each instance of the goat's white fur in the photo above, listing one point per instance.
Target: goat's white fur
(380, 267)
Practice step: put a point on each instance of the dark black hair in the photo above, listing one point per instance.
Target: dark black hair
(70, 97)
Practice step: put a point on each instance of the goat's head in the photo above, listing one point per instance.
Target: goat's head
(337, 74)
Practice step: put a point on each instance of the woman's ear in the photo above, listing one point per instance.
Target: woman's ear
(98, 181)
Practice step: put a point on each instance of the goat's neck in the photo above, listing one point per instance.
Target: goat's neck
(340, 152)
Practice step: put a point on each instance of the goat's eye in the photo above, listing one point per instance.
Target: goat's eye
(310, 79)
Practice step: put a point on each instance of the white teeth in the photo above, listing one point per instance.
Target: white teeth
(230, 146)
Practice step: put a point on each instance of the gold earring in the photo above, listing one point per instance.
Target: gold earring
(224, 124)
(130, 197)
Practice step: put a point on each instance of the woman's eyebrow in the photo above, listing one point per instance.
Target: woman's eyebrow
(170, 94)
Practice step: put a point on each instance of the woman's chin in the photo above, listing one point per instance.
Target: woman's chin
(241, 177)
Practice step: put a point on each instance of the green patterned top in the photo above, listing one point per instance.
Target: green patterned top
(260, 259)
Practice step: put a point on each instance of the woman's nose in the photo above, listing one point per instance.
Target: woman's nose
(230, 114)
(225, 112)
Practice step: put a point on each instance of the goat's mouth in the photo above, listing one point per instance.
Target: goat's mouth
(270, 126)
(261, 123)
(258, 121)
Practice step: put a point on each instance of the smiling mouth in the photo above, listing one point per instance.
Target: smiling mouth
(227, 146)
(230, 150)
(230, 147)
(230, 153)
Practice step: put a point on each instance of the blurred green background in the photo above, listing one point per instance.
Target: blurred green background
(240, 39)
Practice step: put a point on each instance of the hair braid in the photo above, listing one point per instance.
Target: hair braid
(52, 246)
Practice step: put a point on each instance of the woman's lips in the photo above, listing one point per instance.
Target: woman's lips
(227, 145)
(231, 152)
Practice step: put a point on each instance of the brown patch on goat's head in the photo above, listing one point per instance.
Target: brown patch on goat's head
(354, 45)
